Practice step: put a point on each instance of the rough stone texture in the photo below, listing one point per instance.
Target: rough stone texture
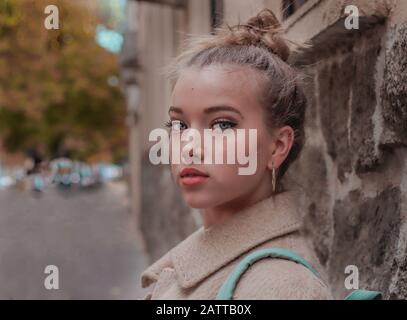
(348, 100)
(352, 171)
(166, 220)
(399, 289)
(310, 92)
(316, 212)
(335, 79)
(363, 102)
(394, 89)
(366, 233)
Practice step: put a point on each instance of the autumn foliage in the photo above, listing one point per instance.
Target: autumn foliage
(56, 88)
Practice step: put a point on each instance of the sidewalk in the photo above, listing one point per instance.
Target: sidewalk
(87, 235)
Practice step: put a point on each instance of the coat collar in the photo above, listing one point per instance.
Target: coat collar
(207, 250)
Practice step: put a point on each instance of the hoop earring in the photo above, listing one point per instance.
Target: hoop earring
(273, 179)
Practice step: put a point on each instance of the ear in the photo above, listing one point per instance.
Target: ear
(280, 147)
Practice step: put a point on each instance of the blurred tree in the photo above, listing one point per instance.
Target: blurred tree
(56, 88)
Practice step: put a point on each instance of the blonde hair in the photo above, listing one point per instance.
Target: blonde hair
(258, 44)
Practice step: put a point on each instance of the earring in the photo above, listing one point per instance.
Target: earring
(273, 178)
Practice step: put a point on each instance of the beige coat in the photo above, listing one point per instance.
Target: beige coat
(197, 267)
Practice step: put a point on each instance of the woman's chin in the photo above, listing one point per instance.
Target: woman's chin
(199, 201)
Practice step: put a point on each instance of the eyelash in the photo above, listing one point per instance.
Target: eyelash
(168, 124)
(232, 124)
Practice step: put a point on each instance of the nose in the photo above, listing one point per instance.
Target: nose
(196, 152)
(192, 150)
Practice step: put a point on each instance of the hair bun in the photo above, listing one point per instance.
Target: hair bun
(263, 30)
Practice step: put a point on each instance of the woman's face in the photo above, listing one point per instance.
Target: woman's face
(219, 97)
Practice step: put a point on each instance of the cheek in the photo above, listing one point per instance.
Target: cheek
(251, 150)
(228, 179)
(263, 151)
(227, 185)
(232, 184)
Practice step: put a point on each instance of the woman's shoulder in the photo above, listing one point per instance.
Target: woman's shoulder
(275, 278)
(278, 279)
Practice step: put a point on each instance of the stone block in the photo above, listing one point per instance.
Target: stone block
(394, 89)
(366, 235)
(310, 93)
(335, 80)
(309, 175)
(363, 103)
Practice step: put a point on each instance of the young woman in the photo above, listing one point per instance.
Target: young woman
(235, 79)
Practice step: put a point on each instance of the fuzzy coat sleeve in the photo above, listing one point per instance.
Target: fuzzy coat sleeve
(277, 279)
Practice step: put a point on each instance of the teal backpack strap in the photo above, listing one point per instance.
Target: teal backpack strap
(364, 295)
(227, 289)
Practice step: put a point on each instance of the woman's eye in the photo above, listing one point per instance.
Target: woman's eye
(223, 124)
(176, 125)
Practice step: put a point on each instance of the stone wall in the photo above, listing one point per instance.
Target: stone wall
(353, 169)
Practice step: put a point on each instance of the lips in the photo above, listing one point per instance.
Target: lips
(191, 176)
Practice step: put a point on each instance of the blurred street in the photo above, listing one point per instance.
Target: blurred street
(64, 160)
(87, 234)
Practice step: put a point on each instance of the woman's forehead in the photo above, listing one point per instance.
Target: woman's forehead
(237, 82)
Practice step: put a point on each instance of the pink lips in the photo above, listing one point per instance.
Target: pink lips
(191, 177)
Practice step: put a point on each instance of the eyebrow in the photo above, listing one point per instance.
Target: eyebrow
(174, 109)
(211, 109)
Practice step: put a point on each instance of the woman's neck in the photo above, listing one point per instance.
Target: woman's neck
(220, 214)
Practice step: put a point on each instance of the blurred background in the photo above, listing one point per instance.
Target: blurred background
(64, 153)
(77, 104)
